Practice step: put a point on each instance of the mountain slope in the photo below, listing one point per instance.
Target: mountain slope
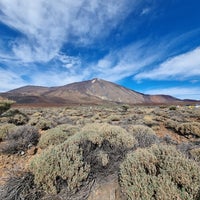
(103, 90)
(95, 91)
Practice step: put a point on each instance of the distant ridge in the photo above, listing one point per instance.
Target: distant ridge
(95, 91)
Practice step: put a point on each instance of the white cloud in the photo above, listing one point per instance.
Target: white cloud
(179, 67)
(145, 11)
(9, 80)
(179, 92)
(125, 62)
(55, 78)
(69, 62)
(48, 24)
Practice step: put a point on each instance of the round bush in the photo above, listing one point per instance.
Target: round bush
(41, 122)
(5, 129)
(96, 148)
(160, 172)
(98, 132)
(189, 129)
(57, 135)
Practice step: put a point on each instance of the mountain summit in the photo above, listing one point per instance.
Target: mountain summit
(95, 91)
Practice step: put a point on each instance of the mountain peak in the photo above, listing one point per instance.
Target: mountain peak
(96, 80)
(94, 91)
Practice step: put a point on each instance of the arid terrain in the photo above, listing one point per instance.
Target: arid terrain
(110, 152)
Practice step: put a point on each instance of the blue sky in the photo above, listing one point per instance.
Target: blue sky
(151, 46)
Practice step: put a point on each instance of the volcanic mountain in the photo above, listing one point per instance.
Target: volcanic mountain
(95, 91)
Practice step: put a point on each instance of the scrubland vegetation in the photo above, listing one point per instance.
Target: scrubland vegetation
(64, 152)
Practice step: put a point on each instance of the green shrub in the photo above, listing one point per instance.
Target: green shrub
(57, 135)
(172, 108)
(5, 105)
(160, 172)
(144, 135)
(124, 108)
(97, 148)
(20, 139)
(189, 129)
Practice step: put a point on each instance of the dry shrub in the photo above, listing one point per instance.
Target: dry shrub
(160, 173)
(20, 139)
(124, 108)
(20, 186)
(170, 124)
(96, 148)
(195, 154)
(16, 117)
(149, 120)
(189, 129)
(57, 135)
(59, 167)
(98, 132)
(44, 124)
(113, 118)
(167, 139)
(144, 135)
(41, 122)
(5, 129)
(185, 148)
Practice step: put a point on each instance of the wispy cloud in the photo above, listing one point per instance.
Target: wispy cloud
(9, 80)
(47, 24)
(179, 67)
(145, 11)
(125, 62)
(57, 79)
(68, 62)
(179, 92)
(51, 76)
